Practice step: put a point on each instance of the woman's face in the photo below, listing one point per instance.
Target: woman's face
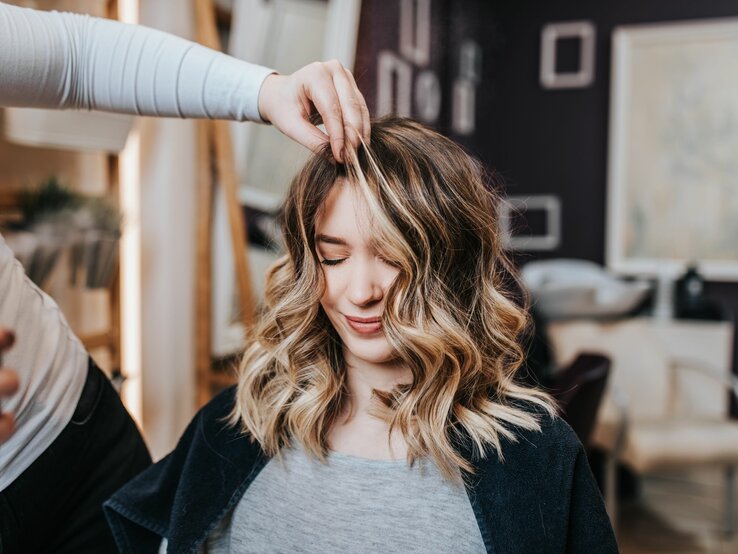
(356, 277)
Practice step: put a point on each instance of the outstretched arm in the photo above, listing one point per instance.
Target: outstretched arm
(64, 60)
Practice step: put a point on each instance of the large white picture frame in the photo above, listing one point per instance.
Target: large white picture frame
(673, 162)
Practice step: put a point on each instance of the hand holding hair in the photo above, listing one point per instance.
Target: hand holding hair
(8, 387)
(288, 101)
(90, 63)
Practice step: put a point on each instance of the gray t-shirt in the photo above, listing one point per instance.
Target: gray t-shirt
(349, 504)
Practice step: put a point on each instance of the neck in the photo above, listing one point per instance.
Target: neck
(358, 432)
(363, 377)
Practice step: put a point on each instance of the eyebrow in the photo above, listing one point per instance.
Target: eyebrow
(330, 240)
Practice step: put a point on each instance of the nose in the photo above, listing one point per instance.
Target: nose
(365, 286)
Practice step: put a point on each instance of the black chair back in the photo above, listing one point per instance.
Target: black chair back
(579, 389)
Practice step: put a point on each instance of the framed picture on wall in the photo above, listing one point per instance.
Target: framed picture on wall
(673, 162)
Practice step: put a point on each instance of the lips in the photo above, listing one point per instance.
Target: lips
(364, 325)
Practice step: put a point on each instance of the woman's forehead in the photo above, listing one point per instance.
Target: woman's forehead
(344, 215)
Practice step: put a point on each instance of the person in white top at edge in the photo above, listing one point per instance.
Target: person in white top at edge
(66, 441)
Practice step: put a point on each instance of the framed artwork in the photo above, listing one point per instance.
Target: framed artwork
(531, 223)
(284, 35)
(552, 34)
(672, 163)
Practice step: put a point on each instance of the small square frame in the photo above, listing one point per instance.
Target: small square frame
(550, 35)
(550, 204)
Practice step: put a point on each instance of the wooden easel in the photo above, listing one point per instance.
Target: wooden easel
(216, 164)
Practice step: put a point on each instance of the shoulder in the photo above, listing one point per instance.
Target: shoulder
(536, 469)
(541, 497)
(215, 431)
(554, 433)
(219, 407)
(551, 449)
(184, 493)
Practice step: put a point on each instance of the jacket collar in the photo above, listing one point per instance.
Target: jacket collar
(186, 495)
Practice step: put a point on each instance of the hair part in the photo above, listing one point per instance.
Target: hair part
(451, 315)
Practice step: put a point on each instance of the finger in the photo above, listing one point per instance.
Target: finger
(349, 98)
(7, 338)
(306, 133)
(325, 99)
(365, 119)
(7, 424)
(9, 382)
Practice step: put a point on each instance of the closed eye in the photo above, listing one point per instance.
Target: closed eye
(326, 261)
(388, 262)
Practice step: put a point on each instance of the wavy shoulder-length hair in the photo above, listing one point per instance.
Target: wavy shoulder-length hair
(452, 314)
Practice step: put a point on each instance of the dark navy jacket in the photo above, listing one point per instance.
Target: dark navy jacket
(543, 498)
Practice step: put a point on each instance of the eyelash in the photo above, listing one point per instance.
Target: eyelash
(326, 261)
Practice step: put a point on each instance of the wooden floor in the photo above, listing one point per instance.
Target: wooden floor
(677, 513)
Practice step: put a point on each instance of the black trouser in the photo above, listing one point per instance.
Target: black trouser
(56, 504)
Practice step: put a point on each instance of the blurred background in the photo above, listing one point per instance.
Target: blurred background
(612, 129)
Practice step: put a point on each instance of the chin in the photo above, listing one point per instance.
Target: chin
(376, 351)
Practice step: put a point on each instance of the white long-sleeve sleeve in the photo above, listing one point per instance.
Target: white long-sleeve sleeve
(62, 60)
(50, 361)
(65, 60)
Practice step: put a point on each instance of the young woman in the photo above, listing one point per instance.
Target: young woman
(377, 407)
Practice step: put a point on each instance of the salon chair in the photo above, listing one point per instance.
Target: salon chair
(578, 389)
(666, 404)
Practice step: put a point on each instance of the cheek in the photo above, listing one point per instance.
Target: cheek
(389, 277)
(327, 305)
(330, 288)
